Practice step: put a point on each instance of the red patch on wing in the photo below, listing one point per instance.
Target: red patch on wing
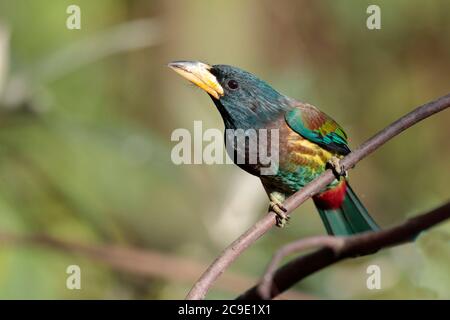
(312, 119)
(331, 199)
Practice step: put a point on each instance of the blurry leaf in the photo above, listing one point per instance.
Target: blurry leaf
(434, 274)
(105, 176)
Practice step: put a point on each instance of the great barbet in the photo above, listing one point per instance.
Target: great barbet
(309, 142)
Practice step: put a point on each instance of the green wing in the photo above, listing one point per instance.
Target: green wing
(317, 127)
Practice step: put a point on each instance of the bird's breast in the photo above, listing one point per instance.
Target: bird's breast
(300, 162)
(300, 152)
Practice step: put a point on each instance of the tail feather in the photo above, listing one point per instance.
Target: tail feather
(348, 216)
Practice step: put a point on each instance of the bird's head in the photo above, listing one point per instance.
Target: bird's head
(243, 100)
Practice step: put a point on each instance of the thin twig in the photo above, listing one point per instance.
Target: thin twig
(356, 245)
(4, 55)
(334, 243)
(128, 36)
(143, 263)
(232, 252)
(132, 35)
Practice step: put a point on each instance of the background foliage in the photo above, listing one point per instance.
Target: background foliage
(85, 136)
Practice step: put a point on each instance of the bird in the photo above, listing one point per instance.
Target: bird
(309, 142)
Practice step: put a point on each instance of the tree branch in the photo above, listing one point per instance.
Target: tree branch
(143, 263)
(266, 286)
(233, 251)
(275, 282)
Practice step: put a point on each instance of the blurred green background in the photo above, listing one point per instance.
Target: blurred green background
(85, 123)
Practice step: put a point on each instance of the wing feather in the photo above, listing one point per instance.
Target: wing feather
(316, 126)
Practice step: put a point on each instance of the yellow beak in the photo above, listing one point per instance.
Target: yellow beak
(199, 74)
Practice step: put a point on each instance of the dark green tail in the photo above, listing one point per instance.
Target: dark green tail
(350, 218)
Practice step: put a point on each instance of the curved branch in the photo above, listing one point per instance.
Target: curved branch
(233, 251)
(274, 283)
(266, 286)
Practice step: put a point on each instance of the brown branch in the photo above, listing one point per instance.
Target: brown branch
(274, 283)
(266, 286)
(233, 251)
(143, 263)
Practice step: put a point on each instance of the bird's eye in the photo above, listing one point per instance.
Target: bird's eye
(232, 84)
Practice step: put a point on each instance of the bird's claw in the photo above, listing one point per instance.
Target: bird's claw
(277, 206)
(337, 167)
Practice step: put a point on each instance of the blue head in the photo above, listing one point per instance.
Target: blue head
(243, 100)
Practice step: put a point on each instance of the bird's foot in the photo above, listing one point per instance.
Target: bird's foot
(335, 164)
(276, 205)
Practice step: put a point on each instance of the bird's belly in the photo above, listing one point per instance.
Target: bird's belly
(301, 161)
(251, 153)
